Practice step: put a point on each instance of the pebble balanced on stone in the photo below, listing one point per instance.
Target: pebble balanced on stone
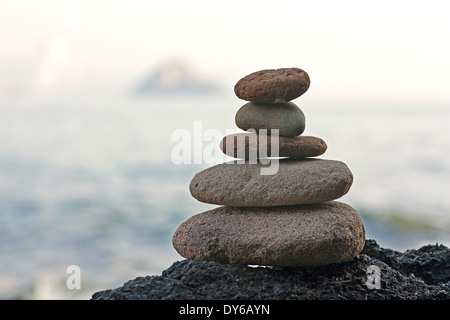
(285, 219)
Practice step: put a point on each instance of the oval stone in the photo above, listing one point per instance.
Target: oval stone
(296, 181)
(269, 86)
(287, 117)
(301, 235)
(251, 146)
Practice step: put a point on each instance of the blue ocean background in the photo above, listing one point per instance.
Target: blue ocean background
(89, 180)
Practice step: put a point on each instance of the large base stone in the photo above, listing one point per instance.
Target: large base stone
(278, 236)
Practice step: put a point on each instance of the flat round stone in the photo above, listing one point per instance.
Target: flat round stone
(287, 117)
(295, 181)
(249, 145)
(301, 235)
(269, 86)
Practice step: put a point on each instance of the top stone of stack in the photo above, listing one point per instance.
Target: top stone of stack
(273, 86)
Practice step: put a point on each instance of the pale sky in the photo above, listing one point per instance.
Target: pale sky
(379, 50)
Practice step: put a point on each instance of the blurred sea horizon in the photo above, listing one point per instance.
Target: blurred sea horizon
(88, 180)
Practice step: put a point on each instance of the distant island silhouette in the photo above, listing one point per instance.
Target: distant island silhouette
(174, 77)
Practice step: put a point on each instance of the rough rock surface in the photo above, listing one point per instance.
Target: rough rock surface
(299, 235)
(196, 280)
(268, 86)
(287, 117)
(298, 181)
(252, 145)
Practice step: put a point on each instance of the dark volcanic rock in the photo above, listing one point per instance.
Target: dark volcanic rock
(195, 280)
(431, 263)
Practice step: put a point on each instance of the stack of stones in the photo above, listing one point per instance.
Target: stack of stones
(288, 218)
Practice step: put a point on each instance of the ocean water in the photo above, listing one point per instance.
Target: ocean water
(89, 181)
